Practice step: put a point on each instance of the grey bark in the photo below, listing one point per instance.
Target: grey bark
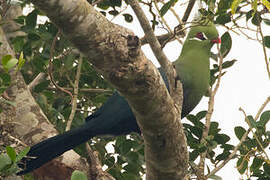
(136, 78)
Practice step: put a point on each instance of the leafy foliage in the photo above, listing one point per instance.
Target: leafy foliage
(125, 159)
(252, 155)
(8, 160)
(215, 139)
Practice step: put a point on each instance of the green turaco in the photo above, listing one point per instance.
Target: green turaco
(192, 66)
(115, 117)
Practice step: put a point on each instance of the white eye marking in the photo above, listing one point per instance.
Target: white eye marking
(200, 36)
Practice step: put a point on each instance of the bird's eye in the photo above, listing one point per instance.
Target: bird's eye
(200, 36)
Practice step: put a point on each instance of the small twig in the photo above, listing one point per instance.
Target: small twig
(250, 128)
(66, 52)
(262, 108)
(188, 10)
(41, 76)
(96, 171)
(162, 38)
(165, 22)
(50, 65)
(176, 15)
(255, 136)
(76, 92)
(151, 12)
(122, 10)
(264, 51)
(214, 171)
(89, 90)
(209, 114)
(19, 141)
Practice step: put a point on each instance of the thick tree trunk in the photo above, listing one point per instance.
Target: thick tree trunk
(136, 78)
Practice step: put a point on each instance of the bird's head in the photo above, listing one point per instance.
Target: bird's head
(205, 33)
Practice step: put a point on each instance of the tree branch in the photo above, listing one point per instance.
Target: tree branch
(107, 47)
(264, 52)
(208, 116)
(88, 90)
(75, 96)
(188, 10)
(41, 76)
(176, 93)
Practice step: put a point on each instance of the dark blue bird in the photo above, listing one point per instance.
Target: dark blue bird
(115, 116)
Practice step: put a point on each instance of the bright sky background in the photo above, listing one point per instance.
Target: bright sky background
(245, 84)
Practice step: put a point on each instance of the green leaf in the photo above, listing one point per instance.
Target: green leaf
(242, 165)
(31, 19)
(5, 59)
(222, 156)
(33, 37)
(215, 177)
(224, 5)
(264, 119)
(239, 132)
(22, 154)
(116, 3)
(78, 175)
(21, 62)
(256, 164)
(266, 21)
(11, 63)
(228, 64)
(41, 86)
(113, 12)
(226, 44)
(18, 43)
(266, 168)
(5, 79)
(164, 9)
(249, 14)
(193, 155)
(128, 17)
(252, 122)
(4, 161)
(221, 138)
(11, 153)
(227, 147)
(257, 19)
(213, 130)
(223, 18)
(196, 131)
(132, 168)
(201, 115)
(266, 41)
(20, 20)
(234, 6)
(103, 5)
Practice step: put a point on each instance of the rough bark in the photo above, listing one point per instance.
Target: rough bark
(25, 123)
(136, 78)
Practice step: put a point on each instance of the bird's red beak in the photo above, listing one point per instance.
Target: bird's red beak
(217, 40)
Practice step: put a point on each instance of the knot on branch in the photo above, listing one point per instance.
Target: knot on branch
(134, 45)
